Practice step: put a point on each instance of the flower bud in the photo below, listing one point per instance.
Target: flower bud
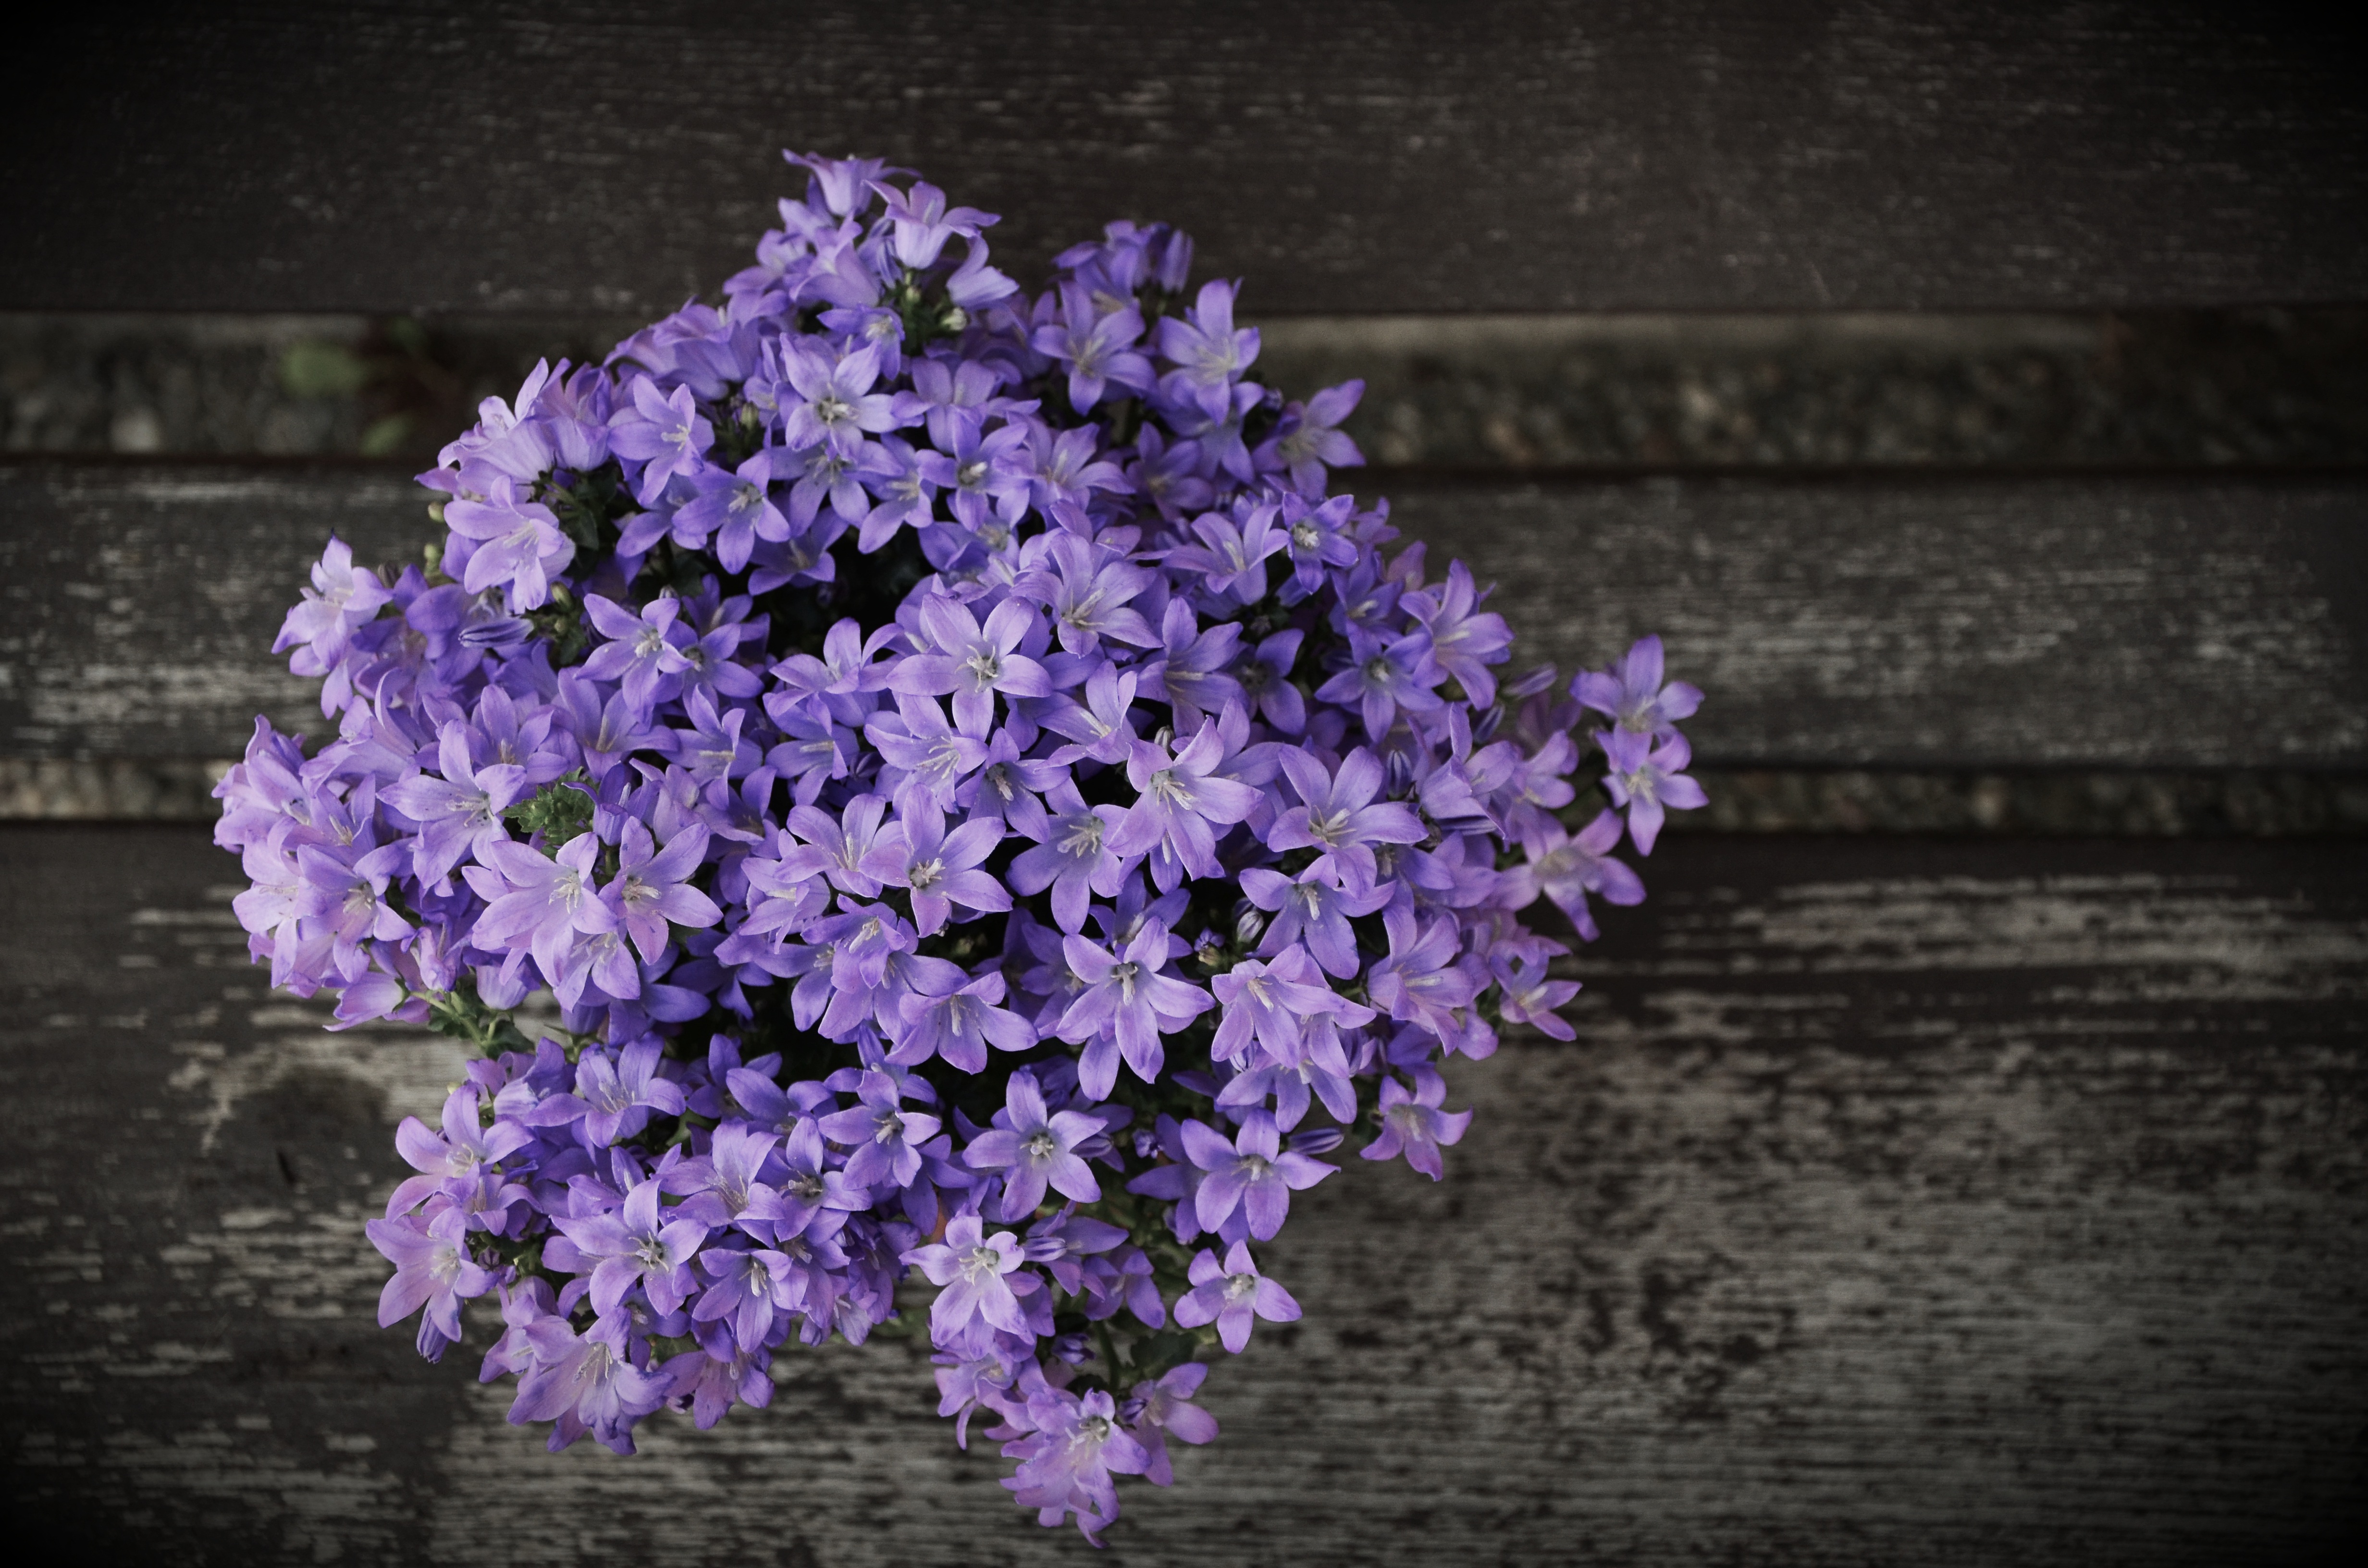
(1315, 1141)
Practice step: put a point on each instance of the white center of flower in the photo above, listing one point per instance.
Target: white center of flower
(1240, 1288)
(833, 410)
(985, 667)
(970, 473)
(1041, 1146)
(925, 874)
(1081, 835)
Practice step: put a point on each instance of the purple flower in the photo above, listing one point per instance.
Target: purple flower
(952, 399)
(1528, 996)
(938, 869)
(970, 1270)
(935, 755)
(1425, 978)
(1314, 909)
(1180, 800)
(966, 1383)
(923, 223)
(458, 1157)
(585, 1383)
(1164, 1410)
(461, 813)
(432, 1270)
(1074, 858)
(971, 661)
(1633, 695)
(1644, 778)
(1566, 870)
(1088, 592)
(615, 1097)
(349, 901)
(1264, 676)
(342, 597)
(1319, 540)
(518, 546)
(643, 652)
(957, 1026)
(1209, 353)
(984, 474)
(1413, 1123)
(1230, 1295)
(1252, 1172)
(1385, 675)
(1100, 726)
(1308, 438)
(1124, 1005)
(652, 886)
(1189, 676)
(1274, 1003)
(748, 1288)
(635, 1246)
(842, 677)
(1230, 557)
(1034, 1148)
(835, 847)
(1066, 1464)
(834, 404)
(664, 434)
(1339, 816)
(723, 1186)
(737, 508)
(1462, 642)
(885, 1138)
(1098, 346)
(543, 901)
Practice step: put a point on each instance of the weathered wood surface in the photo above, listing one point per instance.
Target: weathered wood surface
(1633, 154)
(1900, 621)
(1901, 1202)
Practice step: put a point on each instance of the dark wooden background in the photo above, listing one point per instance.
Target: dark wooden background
(1906, 1198)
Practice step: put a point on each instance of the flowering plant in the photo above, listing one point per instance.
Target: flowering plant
(892, 778)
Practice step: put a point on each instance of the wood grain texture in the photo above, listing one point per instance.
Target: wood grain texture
(1901, 622)
(1627, 155)
(1901, 1202)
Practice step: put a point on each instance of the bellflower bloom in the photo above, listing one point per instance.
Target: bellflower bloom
(1231, 1293)
(1066, 1465)
(1412, 1124)
(1645, 778)
(1631, 695)
(1180, 800)
(1124, 1004)
(1254, 1172)
(1035, 1148)
(877, 698)
(518, 546)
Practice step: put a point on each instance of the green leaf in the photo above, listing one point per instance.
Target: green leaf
(313, 368)
(561, 811)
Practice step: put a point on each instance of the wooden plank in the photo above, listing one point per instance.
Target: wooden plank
(1629, 154)
(1963, 622)
(1957, 622)
(2164, 389)
(1900, 1203)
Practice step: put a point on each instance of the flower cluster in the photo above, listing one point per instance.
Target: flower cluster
(899, 781)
